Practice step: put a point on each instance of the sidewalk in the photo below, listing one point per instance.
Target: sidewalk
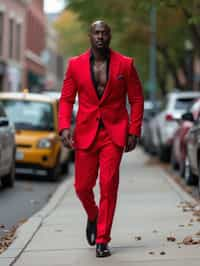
(147, 208)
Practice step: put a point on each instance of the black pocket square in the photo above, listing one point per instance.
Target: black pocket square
(120, 77)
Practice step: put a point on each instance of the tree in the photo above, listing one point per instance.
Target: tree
(73, 39)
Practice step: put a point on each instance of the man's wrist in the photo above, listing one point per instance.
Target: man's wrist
(62, 130)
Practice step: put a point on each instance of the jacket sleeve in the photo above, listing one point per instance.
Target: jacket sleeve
(67, 99)
(136, 100)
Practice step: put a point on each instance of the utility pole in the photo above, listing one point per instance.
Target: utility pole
(152, 56)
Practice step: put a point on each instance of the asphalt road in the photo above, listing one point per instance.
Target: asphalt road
(27, 197)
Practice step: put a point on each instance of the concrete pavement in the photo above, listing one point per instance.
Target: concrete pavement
(147, 209)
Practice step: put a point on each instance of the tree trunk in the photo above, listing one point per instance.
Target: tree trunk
(170, 66)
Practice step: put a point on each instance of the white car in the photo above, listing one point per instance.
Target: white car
(165, 123)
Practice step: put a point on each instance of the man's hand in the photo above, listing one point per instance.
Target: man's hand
(131, 143)
(66, 138)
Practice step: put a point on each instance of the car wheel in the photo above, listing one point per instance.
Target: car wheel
(182, 168)
(188, 175)
(199, 180)
(9, 179)
(173, 161)
(163, 154)
(54, 173)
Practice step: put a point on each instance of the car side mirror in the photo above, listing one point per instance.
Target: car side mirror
(188, 117)
(4, 122)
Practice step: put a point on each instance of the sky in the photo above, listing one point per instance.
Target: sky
(51, 6)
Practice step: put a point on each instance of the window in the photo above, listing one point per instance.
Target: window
(18, 41)
(11, 33)
(1, 32)
(184, 103)
(30, 115)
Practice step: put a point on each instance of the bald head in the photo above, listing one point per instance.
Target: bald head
(100, 35)
(100, 23)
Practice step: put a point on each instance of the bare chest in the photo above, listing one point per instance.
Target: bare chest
(100, 76)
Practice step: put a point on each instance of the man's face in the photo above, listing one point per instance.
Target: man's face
(100, 36)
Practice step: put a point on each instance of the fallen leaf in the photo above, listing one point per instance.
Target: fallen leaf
(2, 226)
(198, 233)
(181, 225)
(162, 253)
(155, 231)
(6, 240)
(171, 238)
(138, 238)
(195, 242)
(188, 209)
(151, 252)
(187, 240)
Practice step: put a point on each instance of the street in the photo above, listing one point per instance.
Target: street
(27, 197)
(156, 223)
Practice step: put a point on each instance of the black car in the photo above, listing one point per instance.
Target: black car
(7, 150)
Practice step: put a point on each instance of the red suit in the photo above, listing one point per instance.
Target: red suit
(101, 148)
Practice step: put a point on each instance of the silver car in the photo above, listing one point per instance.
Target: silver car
(165, 123)
(7, 150)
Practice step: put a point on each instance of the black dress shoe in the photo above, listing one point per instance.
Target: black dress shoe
(91, 231)
(102, 250)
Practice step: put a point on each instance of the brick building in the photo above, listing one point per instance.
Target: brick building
(35, 70)
(12, 43)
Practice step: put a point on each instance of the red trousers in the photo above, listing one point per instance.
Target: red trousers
(105, 156)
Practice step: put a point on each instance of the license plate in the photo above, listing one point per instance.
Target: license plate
(19, 155)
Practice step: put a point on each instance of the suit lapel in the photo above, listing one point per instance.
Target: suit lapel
(113, 70)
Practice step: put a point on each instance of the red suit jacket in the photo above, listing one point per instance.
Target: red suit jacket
(111, 108)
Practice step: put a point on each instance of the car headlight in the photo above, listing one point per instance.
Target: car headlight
(44, 143)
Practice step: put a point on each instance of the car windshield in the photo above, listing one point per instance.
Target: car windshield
(184, 103)
(29, 115)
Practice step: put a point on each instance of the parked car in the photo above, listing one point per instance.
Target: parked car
(192, 160)
(39, 147)
(178, 153)
(165, 123)
(7, 150)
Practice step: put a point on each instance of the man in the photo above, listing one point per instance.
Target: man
(102, 78)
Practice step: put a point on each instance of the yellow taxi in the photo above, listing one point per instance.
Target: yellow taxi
(39, 148)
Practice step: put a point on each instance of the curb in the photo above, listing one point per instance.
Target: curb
(27, 231)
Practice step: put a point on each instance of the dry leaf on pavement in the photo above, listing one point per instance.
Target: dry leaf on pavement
(187, 240)
(162, 253)
(171, 238)
(151, 252)
(6, 240)
(138, 238)
(2, 226)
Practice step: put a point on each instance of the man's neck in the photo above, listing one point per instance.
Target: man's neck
(100, 55)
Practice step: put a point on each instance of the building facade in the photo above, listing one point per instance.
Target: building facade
(53, 59)
(35, 69)
(12, 43)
